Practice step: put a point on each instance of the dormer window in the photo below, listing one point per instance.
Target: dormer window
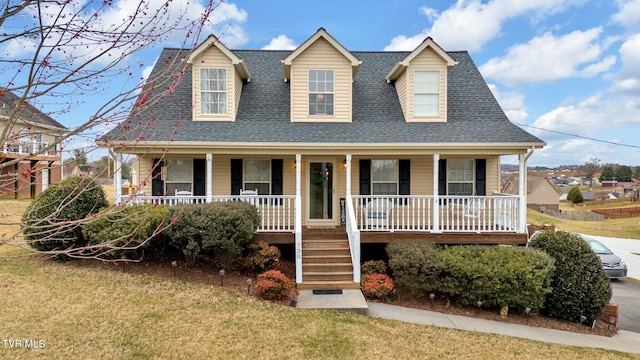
(426, 93)
(213, 91)
(321, 91)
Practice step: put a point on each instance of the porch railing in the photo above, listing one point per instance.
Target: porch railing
(354, 240)
(498, 213)
(276, 211)
(29, 148)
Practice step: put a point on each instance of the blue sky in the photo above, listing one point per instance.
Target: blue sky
(568, 71)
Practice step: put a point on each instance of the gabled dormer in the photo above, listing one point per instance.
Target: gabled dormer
(421, 82)
(218, 75)
(321, 73)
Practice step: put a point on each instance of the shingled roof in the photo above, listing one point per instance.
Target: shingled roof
(29, 114)
(473, 114)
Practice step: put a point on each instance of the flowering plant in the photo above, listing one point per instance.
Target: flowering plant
(377, 286)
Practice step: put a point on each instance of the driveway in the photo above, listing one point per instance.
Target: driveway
(626, 293)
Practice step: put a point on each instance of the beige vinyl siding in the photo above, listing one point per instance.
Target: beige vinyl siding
(321, 56)
(401, 90)
(144, 174)
(493, 175)
(213, 58)
(427, 60)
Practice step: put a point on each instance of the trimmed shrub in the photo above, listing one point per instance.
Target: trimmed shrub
(580, 285)
(377, 286)
(416, 266)
(497, 276)
(373, 267)
(131, 231)
(219, 230)
(261, 258)
(575, 195)
(273, 285)
(53, 221)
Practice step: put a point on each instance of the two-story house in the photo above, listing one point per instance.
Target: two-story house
(381, 146)
(30, 157)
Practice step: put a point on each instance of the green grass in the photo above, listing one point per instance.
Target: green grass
(83, 313)
(628, 228)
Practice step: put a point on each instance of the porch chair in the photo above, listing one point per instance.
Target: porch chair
(474, 208)
(250, 196)
(377, 212)
(183, 193)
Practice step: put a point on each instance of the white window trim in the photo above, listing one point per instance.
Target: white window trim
(226, 92)
(438, 113)
(373, 181)
(309, 92)
(167, 181)
(244, 176)
(472, 181)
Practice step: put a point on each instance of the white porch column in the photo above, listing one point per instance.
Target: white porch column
(45, 178)
(522, 193)
(436, 197)
(117, 163)
(348, 182)
(298, 219)
(209, 158)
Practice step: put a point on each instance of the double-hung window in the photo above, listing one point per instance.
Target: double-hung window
(321, 91)
(460, 177)
(213, 91)
(257, 176)
(179, 175)
(426, 93)
(384, 177)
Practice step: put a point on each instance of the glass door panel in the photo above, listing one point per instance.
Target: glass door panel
(321, 190)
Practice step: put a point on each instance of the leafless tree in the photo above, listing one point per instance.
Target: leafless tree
(589, 169)
(55, 55)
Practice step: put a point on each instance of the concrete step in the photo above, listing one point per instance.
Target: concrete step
(327, 276)
(327, 267)
(351, 300)
(310, 285)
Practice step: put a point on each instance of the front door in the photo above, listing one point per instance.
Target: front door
(321, 191)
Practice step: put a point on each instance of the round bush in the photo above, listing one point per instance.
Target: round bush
(416, 266)
(273, 285)
(53, 221)
(134, 232)
(373, 267)
(580, 285)
(377, 286)
(261, 258)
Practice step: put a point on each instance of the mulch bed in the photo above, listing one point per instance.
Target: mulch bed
(236, 281)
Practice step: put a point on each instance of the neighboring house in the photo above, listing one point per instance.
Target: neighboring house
(70, 169)
(29, 150)
(541, 194)
(392, 145)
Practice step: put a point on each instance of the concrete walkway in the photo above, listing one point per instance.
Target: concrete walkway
(625, 341)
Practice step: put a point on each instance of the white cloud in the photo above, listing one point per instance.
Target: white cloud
(512, 104)
(548, 58)
(281, 42)
(629, 14)
(469, 24)
(628, 79)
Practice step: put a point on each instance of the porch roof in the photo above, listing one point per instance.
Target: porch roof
(474, 116)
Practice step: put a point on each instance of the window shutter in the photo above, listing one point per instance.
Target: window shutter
(236, 176)
(365, 177)
(442, 177)
(199, 176)
(157, 184)
(404, 177)
(481, 177)
(276, 176)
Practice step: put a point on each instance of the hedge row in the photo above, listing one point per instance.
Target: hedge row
(496, 276)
